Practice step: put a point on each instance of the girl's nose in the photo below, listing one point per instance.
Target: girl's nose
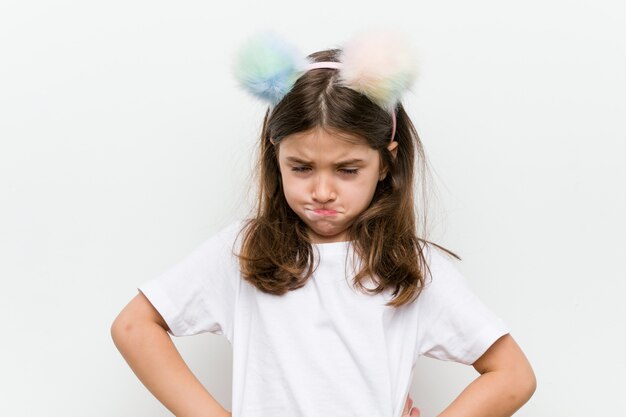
(323, 189)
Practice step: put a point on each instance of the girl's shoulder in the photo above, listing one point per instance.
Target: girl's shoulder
(223, 242)
(441, 267)
(231, 232)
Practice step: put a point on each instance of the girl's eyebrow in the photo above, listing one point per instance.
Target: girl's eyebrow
(297, 160)
(353, 161)
(344, 162)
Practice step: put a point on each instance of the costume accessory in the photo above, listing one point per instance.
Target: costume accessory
(378, 65)
(338, 65)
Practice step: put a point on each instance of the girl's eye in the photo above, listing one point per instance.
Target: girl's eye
(352, 171)
(300, 169)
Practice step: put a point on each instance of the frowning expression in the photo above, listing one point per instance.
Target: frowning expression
(328, 180)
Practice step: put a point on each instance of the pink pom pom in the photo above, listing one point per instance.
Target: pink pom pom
(379, 65)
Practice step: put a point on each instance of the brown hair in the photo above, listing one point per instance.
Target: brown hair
(276, 253)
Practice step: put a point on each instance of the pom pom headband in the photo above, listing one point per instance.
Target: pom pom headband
(337, 65)
(378, 65)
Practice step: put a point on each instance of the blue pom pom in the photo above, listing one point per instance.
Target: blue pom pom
(267, 67)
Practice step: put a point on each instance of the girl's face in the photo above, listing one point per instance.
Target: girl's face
(328, 181)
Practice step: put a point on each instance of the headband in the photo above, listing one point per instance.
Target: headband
(378, 65)
(338, 65)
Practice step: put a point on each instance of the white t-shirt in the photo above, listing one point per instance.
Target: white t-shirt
(325, 349)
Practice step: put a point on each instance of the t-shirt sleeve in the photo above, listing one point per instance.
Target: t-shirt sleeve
(454, 324)
(198, 293)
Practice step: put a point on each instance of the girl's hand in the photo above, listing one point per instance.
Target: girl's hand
(409, 410)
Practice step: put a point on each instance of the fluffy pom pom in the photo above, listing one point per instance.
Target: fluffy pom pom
(380, 65)
(267, 66)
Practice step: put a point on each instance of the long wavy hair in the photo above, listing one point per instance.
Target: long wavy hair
(276, 253)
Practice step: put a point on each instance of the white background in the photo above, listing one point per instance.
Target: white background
(125, 143)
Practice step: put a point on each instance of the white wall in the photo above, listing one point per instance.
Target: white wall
(124, 143)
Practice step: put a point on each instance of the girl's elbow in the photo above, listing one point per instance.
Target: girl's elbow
(121, 329)
(118, 328)
(527, 385)
(531, 384)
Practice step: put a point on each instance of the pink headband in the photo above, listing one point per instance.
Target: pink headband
(337, 65)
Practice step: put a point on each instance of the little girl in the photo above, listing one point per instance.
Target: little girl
(327, 293)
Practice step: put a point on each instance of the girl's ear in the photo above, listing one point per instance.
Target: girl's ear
(393, 148)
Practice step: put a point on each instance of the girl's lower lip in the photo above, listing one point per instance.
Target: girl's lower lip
(325, 212)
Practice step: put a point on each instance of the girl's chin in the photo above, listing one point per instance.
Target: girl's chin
(326, 235)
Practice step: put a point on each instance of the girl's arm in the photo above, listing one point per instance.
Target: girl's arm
(140, 334)
(506, 383)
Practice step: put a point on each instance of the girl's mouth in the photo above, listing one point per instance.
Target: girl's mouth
(324, 212)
